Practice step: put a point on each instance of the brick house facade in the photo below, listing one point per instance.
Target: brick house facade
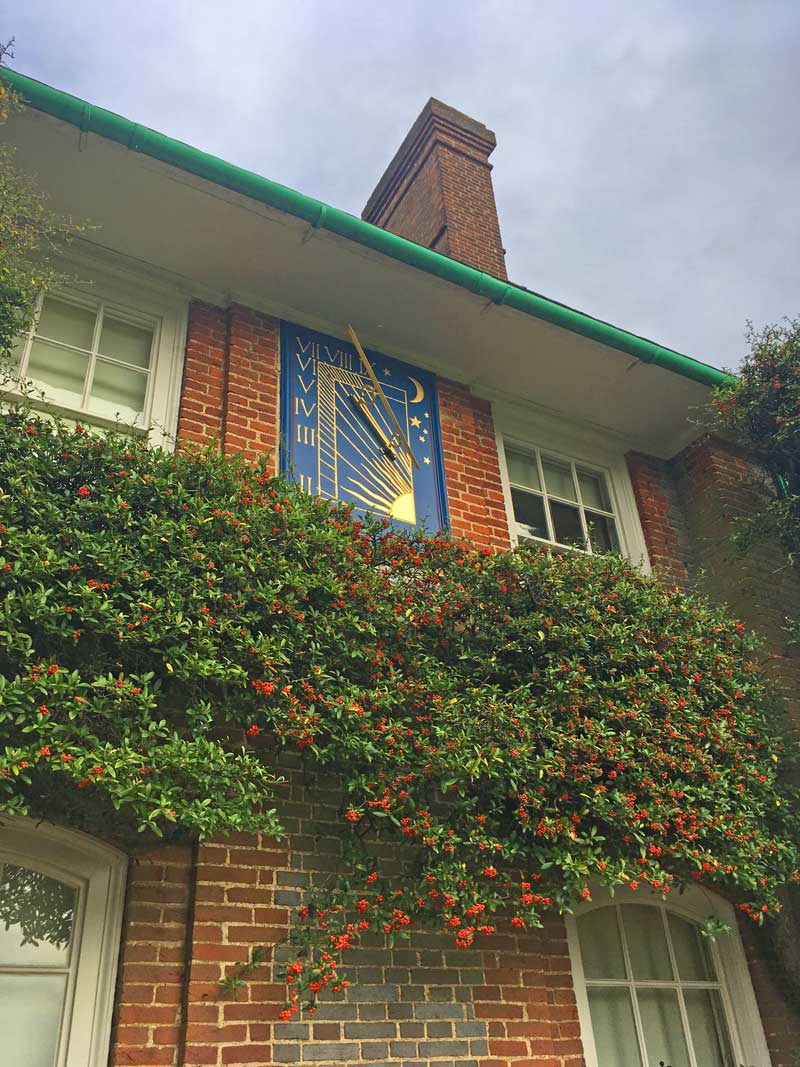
(190, 914)
(509, 1004)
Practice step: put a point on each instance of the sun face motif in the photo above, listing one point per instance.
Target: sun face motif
(353, 461)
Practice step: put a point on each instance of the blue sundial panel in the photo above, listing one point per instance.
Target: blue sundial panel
(339, 440)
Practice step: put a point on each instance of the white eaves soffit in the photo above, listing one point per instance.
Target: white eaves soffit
(218, 245)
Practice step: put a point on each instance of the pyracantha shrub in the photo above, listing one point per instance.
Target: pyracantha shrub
(522, 724)
(760, 410)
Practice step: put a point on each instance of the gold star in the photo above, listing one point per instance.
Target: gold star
(426, 460)
(386, 372)
(427, 416)
(415, 422)
(422, 438)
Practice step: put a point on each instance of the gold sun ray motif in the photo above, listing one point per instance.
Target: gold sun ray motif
(358, 450)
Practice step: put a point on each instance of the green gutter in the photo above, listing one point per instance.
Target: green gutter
(138, 138)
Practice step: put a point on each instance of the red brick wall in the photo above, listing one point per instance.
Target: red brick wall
(528, 1001)
(418, 212)
(147, 1017)
(229, 395)
(203, 386)
(781, 1025)
(659, 513)
(688, 508)
(422, 1002)
(715, 483)
(251, 416)
(234, 912)
(473, 229)
(472, 468)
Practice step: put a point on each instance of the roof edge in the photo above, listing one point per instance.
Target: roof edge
(90, 118)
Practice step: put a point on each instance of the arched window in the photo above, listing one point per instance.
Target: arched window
(651, 988)
(61, 896)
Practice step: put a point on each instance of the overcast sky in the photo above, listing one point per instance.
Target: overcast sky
(648, 160)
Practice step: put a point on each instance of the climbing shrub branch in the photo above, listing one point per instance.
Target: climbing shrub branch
(520, 724)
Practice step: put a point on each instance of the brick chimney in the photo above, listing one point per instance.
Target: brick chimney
(438, 191)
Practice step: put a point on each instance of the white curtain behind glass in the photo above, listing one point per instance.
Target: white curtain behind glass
(37, 918)
(653, 991)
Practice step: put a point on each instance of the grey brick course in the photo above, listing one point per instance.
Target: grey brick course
(412, 1029)
(372, 1050)
(379, 993)
(439, 1011)
(470, 1029)
(434, 1049)
(286, 1053)
(403, 1048)
(360, 1031)
(372, 1012)
(292, 1031)
(409, 1006)
(333, 1051)
(439, 1030)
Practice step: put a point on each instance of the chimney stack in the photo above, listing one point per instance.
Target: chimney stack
(437, 191)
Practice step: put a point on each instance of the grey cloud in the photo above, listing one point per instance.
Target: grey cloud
(648, 154)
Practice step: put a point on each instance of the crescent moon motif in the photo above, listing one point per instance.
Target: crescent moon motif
(420, 391)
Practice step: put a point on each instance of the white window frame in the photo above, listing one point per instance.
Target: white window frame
(141, 306)
(98, 871)
(694, 904)
(584, 447)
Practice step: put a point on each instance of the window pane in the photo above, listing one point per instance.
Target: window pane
(529, 510)
(558, 479)
(662, 1025)
(613, 1028)
(30, 1017)
(707, 1027)
(594, 493)
(11, 364)
(647, 944)
(67, 323)
(58, 372)
(567, 524)
(121, 340)
(602, 533)
(117, 391)
(601, 946)
(36, 916)
(691, 951)
(523, 469)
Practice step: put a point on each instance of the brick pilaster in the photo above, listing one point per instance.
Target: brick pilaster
(528, 1000)
(203, 386)
(251, 412)
(718, 485)
(781, 1023)
(661, 518)
(229, 395)
(234, 912)
(151, 973)
(472, 468)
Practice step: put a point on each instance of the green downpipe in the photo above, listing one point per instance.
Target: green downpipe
(90, 118)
